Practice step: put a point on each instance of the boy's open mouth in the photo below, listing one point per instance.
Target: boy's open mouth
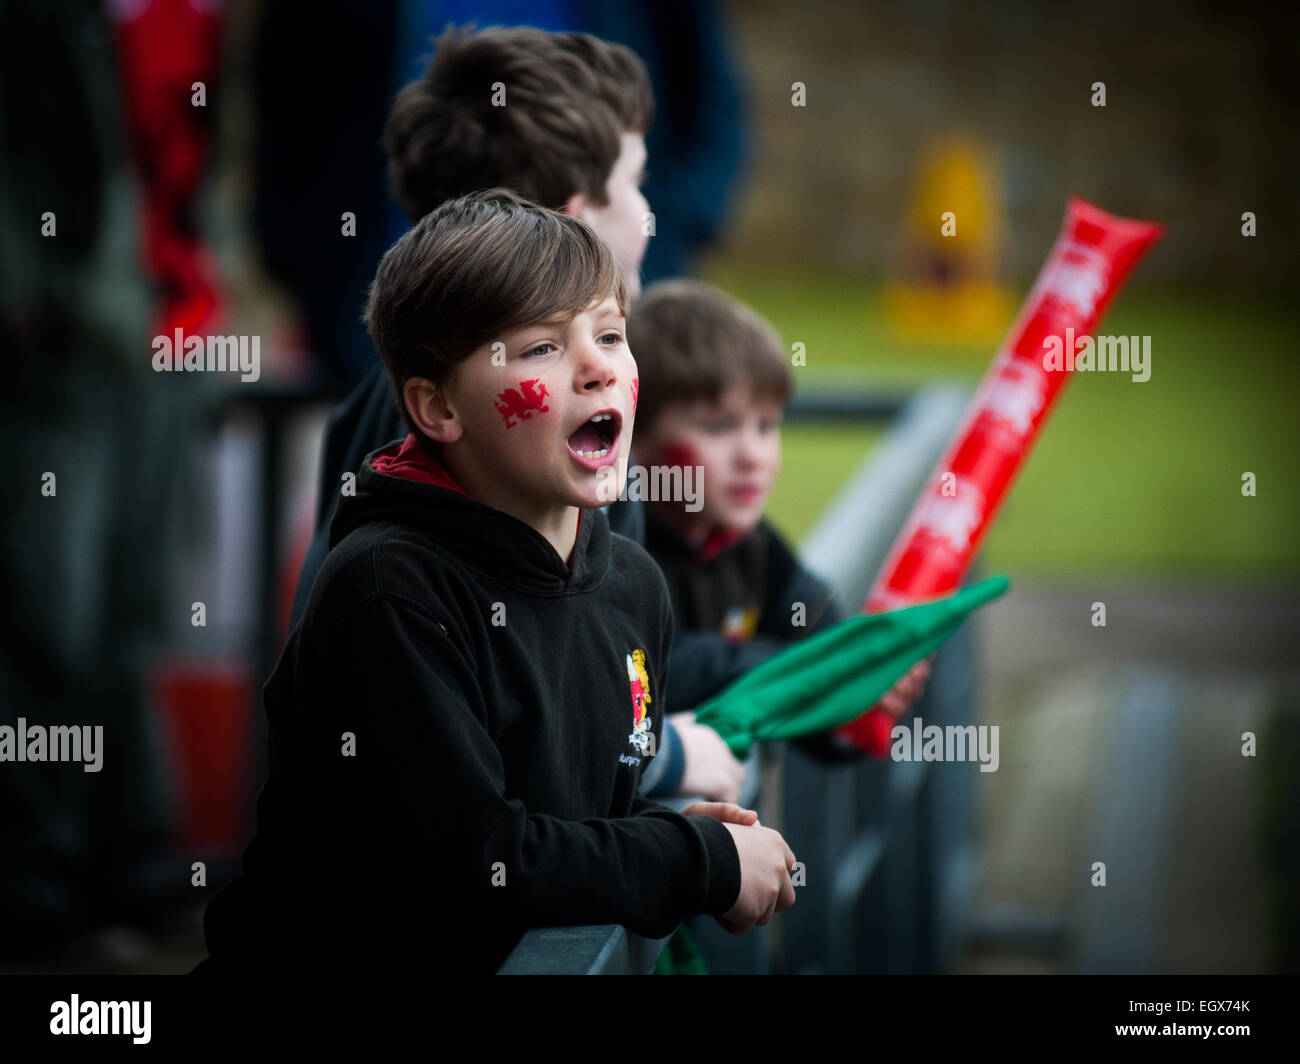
(595, 442)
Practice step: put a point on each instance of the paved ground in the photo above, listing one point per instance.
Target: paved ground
(1123, 745)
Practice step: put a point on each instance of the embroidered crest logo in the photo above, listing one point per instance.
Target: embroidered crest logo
(739, 624)
(639, 680)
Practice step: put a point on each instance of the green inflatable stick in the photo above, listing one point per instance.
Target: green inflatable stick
(831, 678)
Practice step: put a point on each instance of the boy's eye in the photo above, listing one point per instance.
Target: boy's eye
(718, 426)
(538, 351)
(612, 338)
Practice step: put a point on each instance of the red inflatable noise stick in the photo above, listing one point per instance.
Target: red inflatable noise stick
(1092, 258)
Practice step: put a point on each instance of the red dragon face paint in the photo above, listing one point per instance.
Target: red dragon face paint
(519, 404)
(680, 454)
(636, 387)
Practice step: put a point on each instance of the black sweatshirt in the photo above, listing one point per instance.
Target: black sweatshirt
(488, 690)
(734, 608)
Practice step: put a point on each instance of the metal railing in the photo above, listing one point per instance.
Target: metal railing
(887, 848)
(594, 950)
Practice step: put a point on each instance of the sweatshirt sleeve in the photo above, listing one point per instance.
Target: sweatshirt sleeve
(663, 774)
(419, 719)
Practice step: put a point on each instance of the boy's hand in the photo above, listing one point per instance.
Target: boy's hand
(711, 771)
(727, 812)
(903, 695)
(765, 887)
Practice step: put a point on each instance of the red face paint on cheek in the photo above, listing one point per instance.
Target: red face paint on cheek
(636, 387)
(680, 454)
(519, 404)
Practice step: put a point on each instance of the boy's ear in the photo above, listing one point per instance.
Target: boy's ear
(576, 205)
(428, 407)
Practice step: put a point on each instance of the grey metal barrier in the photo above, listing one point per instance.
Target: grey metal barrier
(605, 949)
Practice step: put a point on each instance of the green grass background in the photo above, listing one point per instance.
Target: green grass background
(1129, 480)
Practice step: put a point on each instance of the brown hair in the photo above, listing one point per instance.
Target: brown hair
(474, 268)
(692, 341)
(568, 97)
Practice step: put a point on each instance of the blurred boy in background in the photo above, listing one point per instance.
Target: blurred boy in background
(715, 379)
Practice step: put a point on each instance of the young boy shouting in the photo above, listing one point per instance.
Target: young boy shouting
(572, 137)
(715, 379)
(459, 721)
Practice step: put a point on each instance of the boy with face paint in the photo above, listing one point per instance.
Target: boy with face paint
(459, 721)
(571, 137)
(714, 382)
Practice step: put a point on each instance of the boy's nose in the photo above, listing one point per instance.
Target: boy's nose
(595, 369)
(599, 382)
(750, 453)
